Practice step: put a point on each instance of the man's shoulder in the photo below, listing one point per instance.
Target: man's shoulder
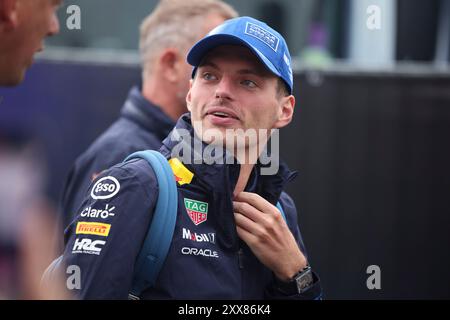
(132, 184)
(124, 135)
(118, 141)
(134, 171)
(122, 184)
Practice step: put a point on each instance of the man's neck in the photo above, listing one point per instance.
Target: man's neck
(164, 98)
(247, 158)
(244, 176)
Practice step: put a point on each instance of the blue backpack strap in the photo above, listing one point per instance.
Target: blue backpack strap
(159, 236)
(279, 207)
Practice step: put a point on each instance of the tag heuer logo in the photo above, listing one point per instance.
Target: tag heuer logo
(197, 210)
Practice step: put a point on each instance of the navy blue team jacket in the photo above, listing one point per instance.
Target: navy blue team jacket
(206, 260)
(141, 126)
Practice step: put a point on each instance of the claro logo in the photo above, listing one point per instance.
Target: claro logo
(105, 188)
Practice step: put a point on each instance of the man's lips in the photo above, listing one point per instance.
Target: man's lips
(222, 112)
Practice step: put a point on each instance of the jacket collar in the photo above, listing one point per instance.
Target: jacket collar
(148, 115)
(220, 179)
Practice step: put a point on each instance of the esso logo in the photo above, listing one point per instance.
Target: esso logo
(105, 188)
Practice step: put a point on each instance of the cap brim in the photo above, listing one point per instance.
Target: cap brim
(201, 48)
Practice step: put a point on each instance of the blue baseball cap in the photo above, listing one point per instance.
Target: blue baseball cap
(266, 43)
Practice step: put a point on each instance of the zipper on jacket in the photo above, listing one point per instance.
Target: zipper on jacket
(241, 258)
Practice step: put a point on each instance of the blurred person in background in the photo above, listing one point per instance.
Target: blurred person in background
(27, 219)
(150, 111)
(23, 26)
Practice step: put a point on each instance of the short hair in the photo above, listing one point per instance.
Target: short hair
(178, 24)
(282, 88)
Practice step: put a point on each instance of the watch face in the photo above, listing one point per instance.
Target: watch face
(304, 281)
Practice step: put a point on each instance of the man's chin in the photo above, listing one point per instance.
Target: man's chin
(14, 80)
(214, 135)
(228, 138)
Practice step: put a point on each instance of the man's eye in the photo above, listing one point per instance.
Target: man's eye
(249, 83)
(209, 76)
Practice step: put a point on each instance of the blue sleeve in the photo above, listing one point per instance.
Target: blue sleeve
(86, 167)
(315, 291)
(105, 237)
(290, 211)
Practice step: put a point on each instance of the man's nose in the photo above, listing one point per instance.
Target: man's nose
(54, 26)
(224, 88)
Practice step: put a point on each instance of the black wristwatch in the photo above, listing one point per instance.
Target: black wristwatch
(298, 284)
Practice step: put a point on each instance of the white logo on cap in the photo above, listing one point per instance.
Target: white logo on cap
(263, 35)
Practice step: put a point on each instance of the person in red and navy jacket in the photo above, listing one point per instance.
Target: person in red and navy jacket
(230, 240)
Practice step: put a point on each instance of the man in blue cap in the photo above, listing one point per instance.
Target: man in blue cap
(230, 239)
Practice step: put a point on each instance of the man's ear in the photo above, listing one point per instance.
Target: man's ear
(286, 112)
(8, 14)
(170, 64)
(188, 96)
